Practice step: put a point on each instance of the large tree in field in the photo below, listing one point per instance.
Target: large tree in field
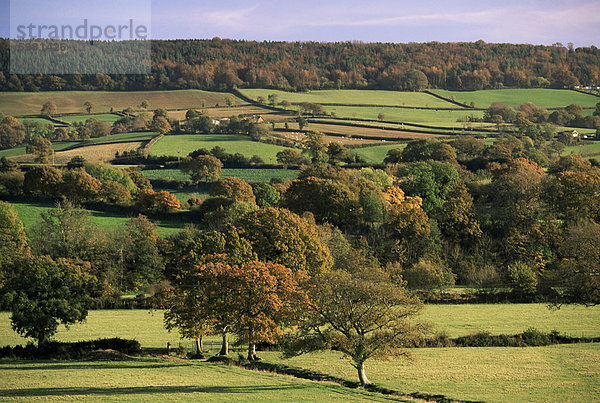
(41, 148)
(202, 168)
(49, 108)
(42, 293)
(42, 182)
(361, 314)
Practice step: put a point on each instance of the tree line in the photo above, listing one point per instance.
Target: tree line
(222, 64)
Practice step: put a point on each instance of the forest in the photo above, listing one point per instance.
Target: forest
(222, 64)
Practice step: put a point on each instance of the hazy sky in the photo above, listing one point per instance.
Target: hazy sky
(515, 21)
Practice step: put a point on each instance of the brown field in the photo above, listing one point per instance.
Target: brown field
(365, 133)
(23, 103)
(94, 153)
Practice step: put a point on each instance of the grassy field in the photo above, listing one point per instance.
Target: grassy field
(376, 154)
(249, 175)
(148, 379)
(13, 152)
(563, 373)
(185, 144)
(461, 320)
(547, 98)
(588, 149)
(422, 116)
(107, 117)
(372, 97)
(29, 103)
(30, 213)
(40, 120)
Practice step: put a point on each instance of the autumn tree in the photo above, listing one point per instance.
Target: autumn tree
(79, 186)
(235, 189)
(114, 193)
(89, 106)
(161, 125)
(202, 168)
(42, 181)
(161, 202)
(280, 236)
(13, 240)
(41, 148)
(361, 314)
(12, 132)
(49, 109)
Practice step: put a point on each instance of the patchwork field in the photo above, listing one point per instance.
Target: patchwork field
(372, 97)
(376, 154)
(30, 103)
(185, 144)
(547, 98)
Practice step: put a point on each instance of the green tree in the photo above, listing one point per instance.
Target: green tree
(315, 147)
(291, 157)
(362, 315)
(202, 168)
(266, 195)
(13, 240)
(42, 293)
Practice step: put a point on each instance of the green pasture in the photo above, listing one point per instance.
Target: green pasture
(561, 373)
(106, 117)
(372, 97)
(249, 175)
(588, 149)
(376, 154)
(40, 120)
(30, 214)
(13, 152)
(149, 379)
(30, 103)
(187, 143)
(422, 116)
(547, 98)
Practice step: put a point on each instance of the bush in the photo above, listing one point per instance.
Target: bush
(70, 351)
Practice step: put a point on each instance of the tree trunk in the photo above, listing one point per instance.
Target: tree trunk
(252, 352)
(224, 345)
(364, 381)
(199, 345)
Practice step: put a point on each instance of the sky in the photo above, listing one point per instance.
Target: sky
(512, 21)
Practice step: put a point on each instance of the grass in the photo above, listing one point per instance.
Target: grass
(30, 214)
(107, 117)
(536, 374)
(372, 97)
(249, 175)
(461, 320)
(587, 149)
(28, 103)
(376, 154)
(148, 379)
(185, 144)
(547, 98)
(40, 120)
(421, 116)
(14, 152)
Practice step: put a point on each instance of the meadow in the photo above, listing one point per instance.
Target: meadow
(546, 98)
(363, 97)
(150, 379)
(30, 214)
(14, 152)
(558, 373)
(249, 175)
(187, 143)
(30, 103)
(376, 154)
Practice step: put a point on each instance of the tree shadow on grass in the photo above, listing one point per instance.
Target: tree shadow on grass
(143, 390)
(87, 365)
